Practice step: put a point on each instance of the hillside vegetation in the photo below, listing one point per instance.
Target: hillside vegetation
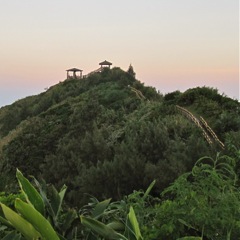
(108, 134)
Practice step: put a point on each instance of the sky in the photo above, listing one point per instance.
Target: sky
(171, 44)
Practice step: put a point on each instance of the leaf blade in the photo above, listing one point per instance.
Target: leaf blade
(36, 219)
(22, 225)
(134, 224)
(100, 228)
(30, 192)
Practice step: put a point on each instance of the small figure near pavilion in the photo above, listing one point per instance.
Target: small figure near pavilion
(72, 73)
(105, 64)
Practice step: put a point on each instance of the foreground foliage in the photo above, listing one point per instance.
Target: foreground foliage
(36, 216)
(205, 201)
(201, 204)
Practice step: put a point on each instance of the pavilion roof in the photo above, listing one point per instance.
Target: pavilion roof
(74, 70)
(105, 63)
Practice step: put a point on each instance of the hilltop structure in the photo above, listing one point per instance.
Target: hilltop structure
(72, 73)
(105, 64)
(75, 73)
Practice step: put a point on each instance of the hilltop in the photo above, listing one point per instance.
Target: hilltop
(108, 134)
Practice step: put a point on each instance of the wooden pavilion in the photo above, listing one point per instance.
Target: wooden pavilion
(105, 64)
(74, 73)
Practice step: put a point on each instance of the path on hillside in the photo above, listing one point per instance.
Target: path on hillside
(138, 93)
(95, 71)
(201, 123)
(208, 133)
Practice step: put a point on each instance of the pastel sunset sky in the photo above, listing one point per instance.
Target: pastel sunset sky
(172, 44)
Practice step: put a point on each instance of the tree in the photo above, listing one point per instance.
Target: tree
(205, 202)
(131, 71)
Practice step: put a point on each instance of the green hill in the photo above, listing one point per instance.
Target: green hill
(108, 134)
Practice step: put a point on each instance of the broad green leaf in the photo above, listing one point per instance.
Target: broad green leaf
(134, 224)
(100, 208)
(149, 189)
(36, 219)
(22, 225)
(44, 197)
(57, 199)
(101, 229)
(41, 190)
(30, 192)
(116, 225)
(70, 216)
